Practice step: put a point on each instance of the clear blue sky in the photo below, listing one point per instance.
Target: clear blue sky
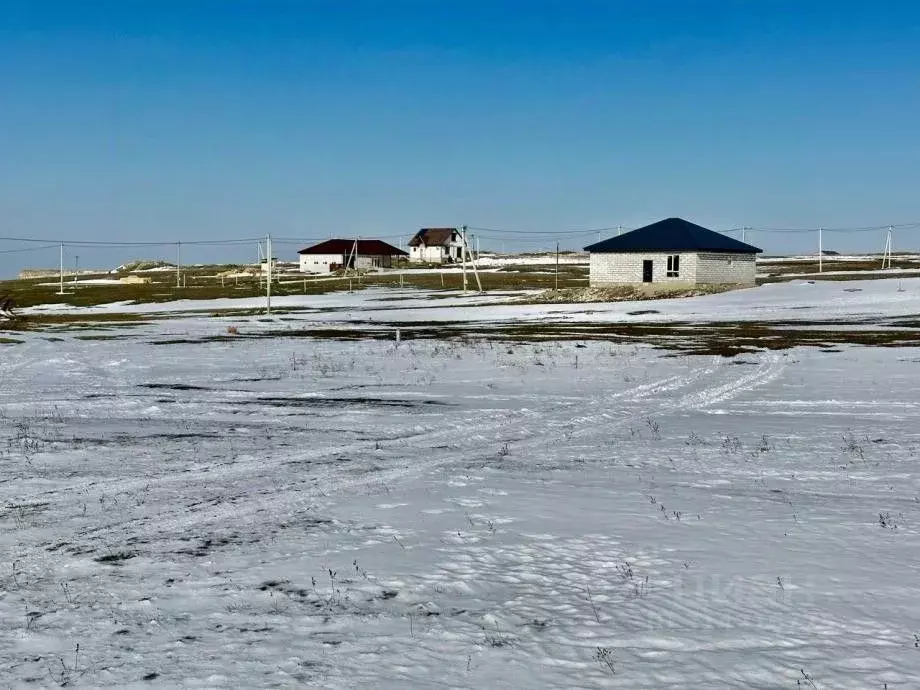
(171, 119)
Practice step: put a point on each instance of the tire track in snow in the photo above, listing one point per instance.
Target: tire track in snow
(465, 429)
(766, 371)
(715, 391)
(329, 478)
(676, 614)
(332, 480)
(637, 393)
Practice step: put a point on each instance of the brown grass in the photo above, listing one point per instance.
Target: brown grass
(625, 293)
(724, 339)
(868, 268)
(205, 283)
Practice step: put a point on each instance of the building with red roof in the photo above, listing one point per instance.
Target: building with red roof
(336, 254)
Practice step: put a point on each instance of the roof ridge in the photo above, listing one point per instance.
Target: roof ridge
(673, 234)
(344, 245)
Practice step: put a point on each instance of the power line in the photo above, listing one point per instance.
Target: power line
(542, 232)
(785, 231)
(483, 232)
(349, 236)
(862, 228)
(248, 240)
(500, 233)
(29, 249)
(122, 243)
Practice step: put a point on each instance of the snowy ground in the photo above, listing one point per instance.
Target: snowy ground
(291, 512)
(879, 273)
(69, 284)
(800, 300)
(830, 258)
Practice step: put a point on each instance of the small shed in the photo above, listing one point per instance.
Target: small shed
(335, 254)
(672, 253)
(436, 246)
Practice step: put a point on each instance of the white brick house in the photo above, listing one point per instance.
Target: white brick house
(436, 246)
(672, 252)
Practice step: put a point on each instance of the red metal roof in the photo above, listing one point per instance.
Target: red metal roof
(346, 247)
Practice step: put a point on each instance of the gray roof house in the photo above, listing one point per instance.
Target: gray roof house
(672, 253)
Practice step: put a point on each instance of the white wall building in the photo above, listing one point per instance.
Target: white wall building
(436, 246)
(336, 254)
(672, 252)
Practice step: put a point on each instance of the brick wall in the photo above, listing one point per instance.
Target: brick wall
(626, 268)
(736, 269)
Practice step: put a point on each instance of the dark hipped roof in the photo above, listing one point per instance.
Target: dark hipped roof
(432, 237)
(673, 235)
(365, 248)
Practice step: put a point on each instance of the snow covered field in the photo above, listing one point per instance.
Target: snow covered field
(802, 313)
(800, 300)
(830, 258)
(292, 512)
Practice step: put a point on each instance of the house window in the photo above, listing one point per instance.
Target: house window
(674, 266)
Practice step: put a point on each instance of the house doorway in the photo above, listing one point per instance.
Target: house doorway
(647, 271)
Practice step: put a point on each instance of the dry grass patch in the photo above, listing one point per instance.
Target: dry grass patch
(625, 293)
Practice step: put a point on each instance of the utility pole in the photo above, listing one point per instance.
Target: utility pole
(76, 265)
(463, 254)
(268, 281)
(178, 261)
(887, 254)
(557, 265)
(259, 257)
(469, 251)
(742, 232)
(352, 259)
(890, 238)
(820, 250)
(61, 291)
